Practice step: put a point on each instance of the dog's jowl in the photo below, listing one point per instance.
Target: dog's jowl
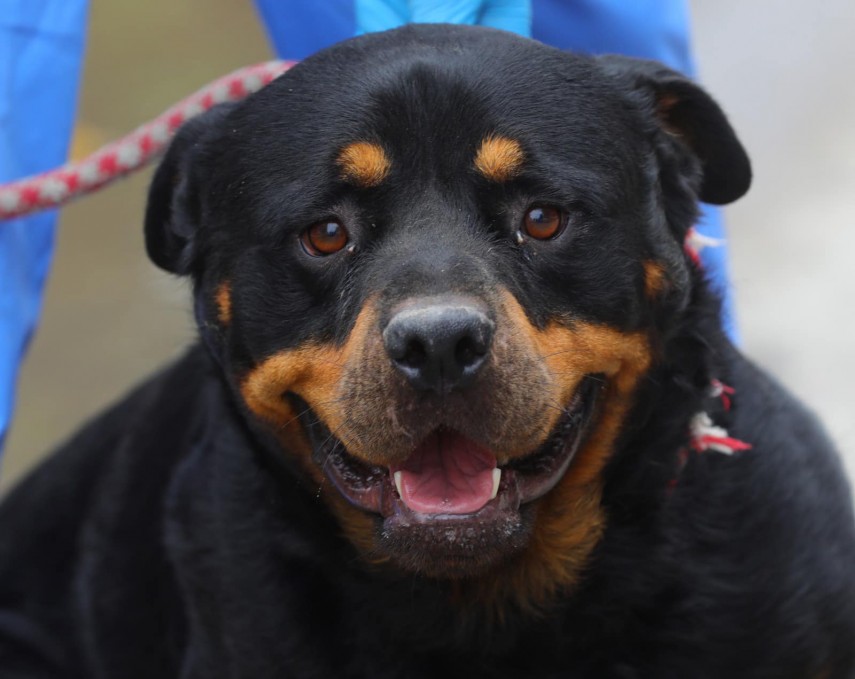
(461, 404)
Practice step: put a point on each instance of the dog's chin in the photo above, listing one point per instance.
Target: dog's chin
(487, 522)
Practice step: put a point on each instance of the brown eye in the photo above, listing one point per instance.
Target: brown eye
(543, 223)
(324, 238)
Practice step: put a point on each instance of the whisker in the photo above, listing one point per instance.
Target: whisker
(558, 353)
(309, 409)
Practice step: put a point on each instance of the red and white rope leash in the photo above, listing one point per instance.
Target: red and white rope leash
(61, 185)
(705, 435)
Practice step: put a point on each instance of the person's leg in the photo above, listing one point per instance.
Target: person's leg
(300, 29)
(41, 50)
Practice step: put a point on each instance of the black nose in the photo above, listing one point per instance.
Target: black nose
(439, 346)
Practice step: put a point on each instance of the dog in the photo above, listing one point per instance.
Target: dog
(461, 405)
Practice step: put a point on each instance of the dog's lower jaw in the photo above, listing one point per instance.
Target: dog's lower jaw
(455, 548)
(457, 538)
(523, 564)
(543, 558)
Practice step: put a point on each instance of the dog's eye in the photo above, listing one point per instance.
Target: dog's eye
(543, 222)
(324, 238)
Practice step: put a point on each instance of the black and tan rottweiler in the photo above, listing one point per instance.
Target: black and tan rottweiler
(462, 405)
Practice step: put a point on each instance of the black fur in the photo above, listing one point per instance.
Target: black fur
(172, 538)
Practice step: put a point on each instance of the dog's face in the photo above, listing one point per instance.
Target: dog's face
(436, 264)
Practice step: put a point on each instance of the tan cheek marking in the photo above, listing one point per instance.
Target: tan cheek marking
(623, 358)
(223, 298)
(499, 158)
(570, 519)
(314, 372)
(364, 164)
(655, 279)
(264, 391)
(571, 353)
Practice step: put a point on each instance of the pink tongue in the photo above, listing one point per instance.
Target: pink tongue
(447, 474)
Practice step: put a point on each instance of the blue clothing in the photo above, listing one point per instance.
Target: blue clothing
(41, 50)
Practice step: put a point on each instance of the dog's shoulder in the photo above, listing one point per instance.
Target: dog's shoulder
(88, 521)
(792, 463)
(794, 474)
(760, 535)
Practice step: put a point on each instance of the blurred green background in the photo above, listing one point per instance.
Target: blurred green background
(781, 69)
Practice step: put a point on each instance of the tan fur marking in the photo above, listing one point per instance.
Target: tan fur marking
(313, 372)
(570, 519)
(499, 158)
(655, 279)
(223, 298)
(364, 163)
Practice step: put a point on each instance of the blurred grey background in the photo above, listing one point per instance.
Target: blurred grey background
(783, 70)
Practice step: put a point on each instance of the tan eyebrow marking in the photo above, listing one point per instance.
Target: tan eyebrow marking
(364, 163)
(655, 279)
(223, 297)
(499, 158)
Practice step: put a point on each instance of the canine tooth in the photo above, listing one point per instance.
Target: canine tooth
(497, 476)
(398, 476)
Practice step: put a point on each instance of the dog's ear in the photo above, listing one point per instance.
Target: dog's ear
(688, 113)
(173, 213)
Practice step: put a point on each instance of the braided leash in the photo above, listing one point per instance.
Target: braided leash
(128, 154)
(705, 435)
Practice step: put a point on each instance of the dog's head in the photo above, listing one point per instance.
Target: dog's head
(436, 264)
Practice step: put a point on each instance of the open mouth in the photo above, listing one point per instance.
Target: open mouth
(451, 478)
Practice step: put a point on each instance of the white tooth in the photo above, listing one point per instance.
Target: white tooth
(398, 476)
(497, 476)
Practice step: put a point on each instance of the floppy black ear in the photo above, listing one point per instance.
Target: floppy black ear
(173, 212)
(685, 111)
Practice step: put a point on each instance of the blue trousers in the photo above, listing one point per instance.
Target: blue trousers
(41, 49)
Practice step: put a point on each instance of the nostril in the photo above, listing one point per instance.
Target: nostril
(415, 354)
(468, 352)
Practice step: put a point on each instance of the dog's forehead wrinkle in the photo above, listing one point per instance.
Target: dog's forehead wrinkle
(425, 99)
